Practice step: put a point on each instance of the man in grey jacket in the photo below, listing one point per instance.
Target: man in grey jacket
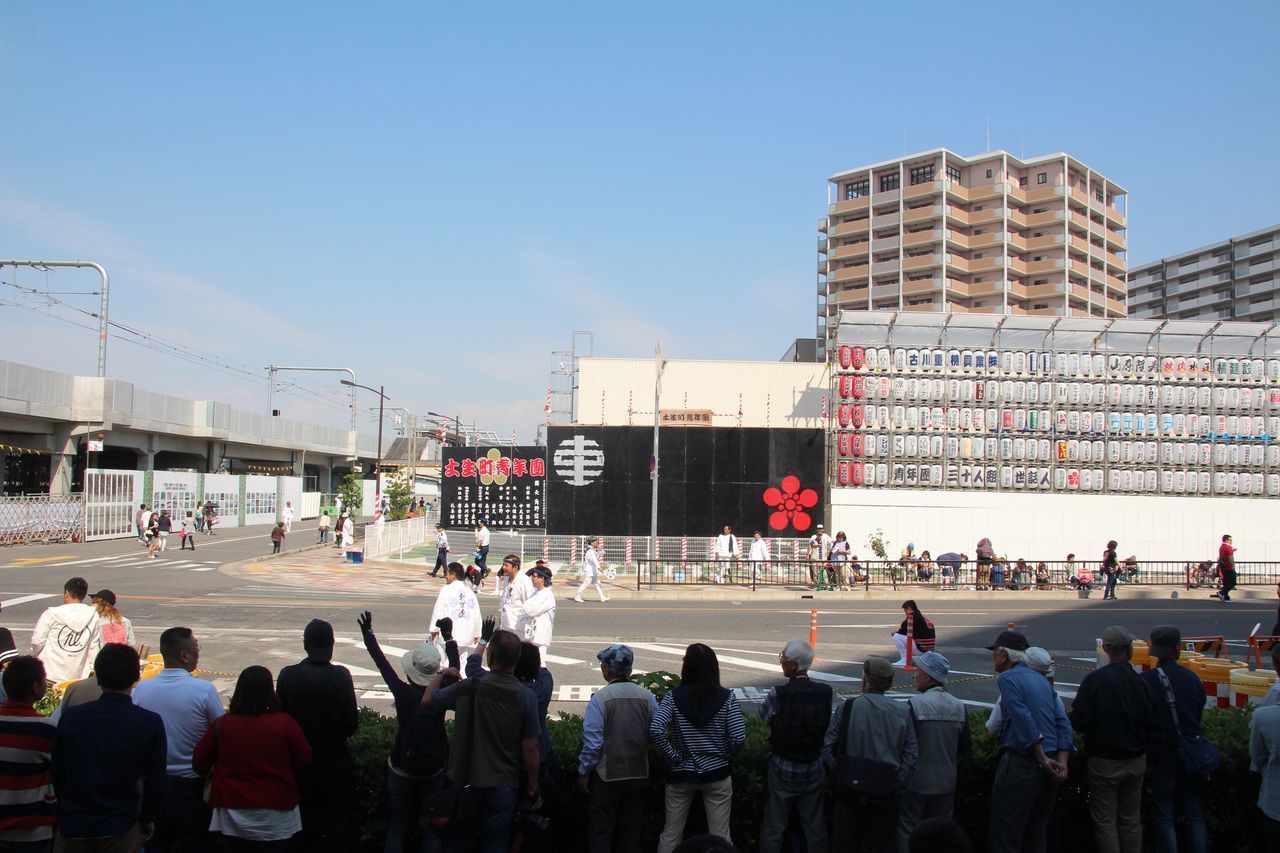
(613, 768)
(871, 734)
(942, 733)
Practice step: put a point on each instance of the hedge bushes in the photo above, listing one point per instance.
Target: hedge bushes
(1234, 822)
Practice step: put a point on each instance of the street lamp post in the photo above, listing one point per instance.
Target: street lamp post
(377, 465)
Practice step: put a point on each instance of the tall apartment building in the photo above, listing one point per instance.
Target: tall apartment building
(935, 231)
(1237, 279)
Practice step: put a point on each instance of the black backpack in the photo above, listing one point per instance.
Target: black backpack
(424, 745)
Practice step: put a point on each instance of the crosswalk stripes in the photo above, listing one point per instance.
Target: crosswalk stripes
(124, 561)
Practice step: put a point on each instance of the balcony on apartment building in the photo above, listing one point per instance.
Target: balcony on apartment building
(837, 208)
(922, 214)
(922, 238)
(915, 263)
(852, 273)
(845, 229)
(847, 251)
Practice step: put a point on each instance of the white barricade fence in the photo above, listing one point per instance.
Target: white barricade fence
(309, 506)
(26, 519)
(111, 500)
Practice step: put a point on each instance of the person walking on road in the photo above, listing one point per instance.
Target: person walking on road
(348, 531)
(515, 592)
(1173, 790)
(153, 536)
(1226, 568)
(1036, 740)
(277, 537)
(210, 518)
(698, 728)
(613, 767)
(759, 556)
(1116, 713)
(723, 552)
(67, 637)
(941, 727)
(165, 527)
(797, 714)
(591, 560)
(458, 603)
(140, 519)
(538, 614)
(871, 748)
(286, 516)
(188, 532)
(482, 548)
(322, 528)
(1111, 569)
(442, 550)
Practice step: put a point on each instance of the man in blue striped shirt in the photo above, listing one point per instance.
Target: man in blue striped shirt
(1036, 743)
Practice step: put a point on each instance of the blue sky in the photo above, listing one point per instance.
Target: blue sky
(437, 195)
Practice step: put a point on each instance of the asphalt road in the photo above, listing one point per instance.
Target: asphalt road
(242, 622)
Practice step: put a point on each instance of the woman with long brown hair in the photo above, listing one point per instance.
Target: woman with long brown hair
(115, 628)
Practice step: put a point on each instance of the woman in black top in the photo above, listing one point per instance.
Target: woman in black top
(1110, 568)
(922, 632)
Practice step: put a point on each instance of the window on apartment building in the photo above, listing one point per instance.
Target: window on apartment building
(979, 255)
(1038, 258)
(857, 189)
(1041, 281)
(980, 304)
(1022, 183)
(1098, 195)
(921, 174)
(1042, 178)
(979, 280)
(988, 173)
(1039, 306)
(888, 182)
(954, 174)
(978, 231)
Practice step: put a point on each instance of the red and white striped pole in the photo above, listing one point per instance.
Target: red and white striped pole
(768, 410)
(546, 549)
(684, 551)
(630, 410)
(911, 641)
(573, 551)
(628, 552)
(548, 407)
(601, 408)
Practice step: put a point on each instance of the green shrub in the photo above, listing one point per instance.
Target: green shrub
(1229, 797)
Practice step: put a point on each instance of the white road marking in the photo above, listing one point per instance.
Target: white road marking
(359, 671)
(23, 599)
(206, 569)
(741, 662)
(550, 658)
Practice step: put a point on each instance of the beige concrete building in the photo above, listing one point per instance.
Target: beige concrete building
(935, 231)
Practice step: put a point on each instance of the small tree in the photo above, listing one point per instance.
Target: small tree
(878, 544)
(352, 493)
(399, 493)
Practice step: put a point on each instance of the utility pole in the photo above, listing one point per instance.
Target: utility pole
(658, 364)
(105, 301)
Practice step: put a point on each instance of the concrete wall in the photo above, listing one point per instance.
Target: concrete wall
(1049, 526)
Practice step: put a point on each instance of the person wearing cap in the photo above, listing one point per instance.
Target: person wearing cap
(188, 706)
(1226, 568)
(320, 696)
(538, 613)
(67, 637)
(941, 727)
(29, 806)
(1116, 714)
(873, 732)
(8, 651)
(420, 732)
(115, 628)
(457, 601)
(591, 560)
(818, 548)
(613, 766)
(1039, 660)
(1036, 741)
(1173, 791)
(797, 714)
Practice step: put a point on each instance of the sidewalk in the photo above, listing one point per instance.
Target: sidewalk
(324, 567)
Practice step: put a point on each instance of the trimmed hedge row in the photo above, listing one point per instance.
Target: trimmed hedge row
(1229, 801)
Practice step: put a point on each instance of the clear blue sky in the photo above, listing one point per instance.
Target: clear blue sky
(438, 194)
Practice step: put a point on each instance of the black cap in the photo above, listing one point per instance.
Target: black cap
(1010, 640)
(1165, 640)
(106, 595)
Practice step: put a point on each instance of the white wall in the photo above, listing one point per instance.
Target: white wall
(1049, 526)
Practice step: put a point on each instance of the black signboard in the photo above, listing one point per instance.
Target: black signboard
(503, 485)
(771, 480)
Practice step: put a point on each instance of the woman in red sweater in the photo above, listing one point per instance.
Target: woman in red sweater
(254, 753)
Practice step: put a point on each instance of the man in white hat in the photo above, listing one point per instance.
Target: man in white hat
(942, 733)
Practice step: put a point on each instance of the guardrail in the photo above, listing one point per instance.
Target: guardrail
(28, 519)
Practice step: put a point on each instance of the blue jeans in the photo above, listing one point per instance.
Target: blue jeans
(1175, 792)
(491, 831)
(1111, 584)
(404, 801)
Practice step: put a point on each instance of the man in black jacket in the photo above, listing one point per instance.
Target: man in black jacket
(798, 714)
(1116, 713)
(322, 699)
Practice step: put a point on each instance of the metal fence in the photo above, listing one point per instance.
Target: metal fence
(28, 519)
(395, 539)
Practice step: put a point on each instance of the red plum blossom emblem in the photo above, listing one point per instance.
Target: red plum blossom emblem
(790, 504)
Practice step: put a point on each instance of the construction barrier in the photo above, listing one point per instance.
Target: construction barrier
(1215, 673)
(1248, 688)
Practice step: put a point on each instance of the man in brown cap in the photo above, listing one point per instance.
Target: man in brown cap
(871, 747)
(1116, 713)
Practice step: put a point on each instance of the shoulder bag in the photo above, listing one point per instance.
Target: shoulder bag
(858, 777)
(1196, 755)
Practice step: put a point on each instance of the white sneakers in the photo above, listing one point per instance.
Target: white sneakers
(579, 600)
